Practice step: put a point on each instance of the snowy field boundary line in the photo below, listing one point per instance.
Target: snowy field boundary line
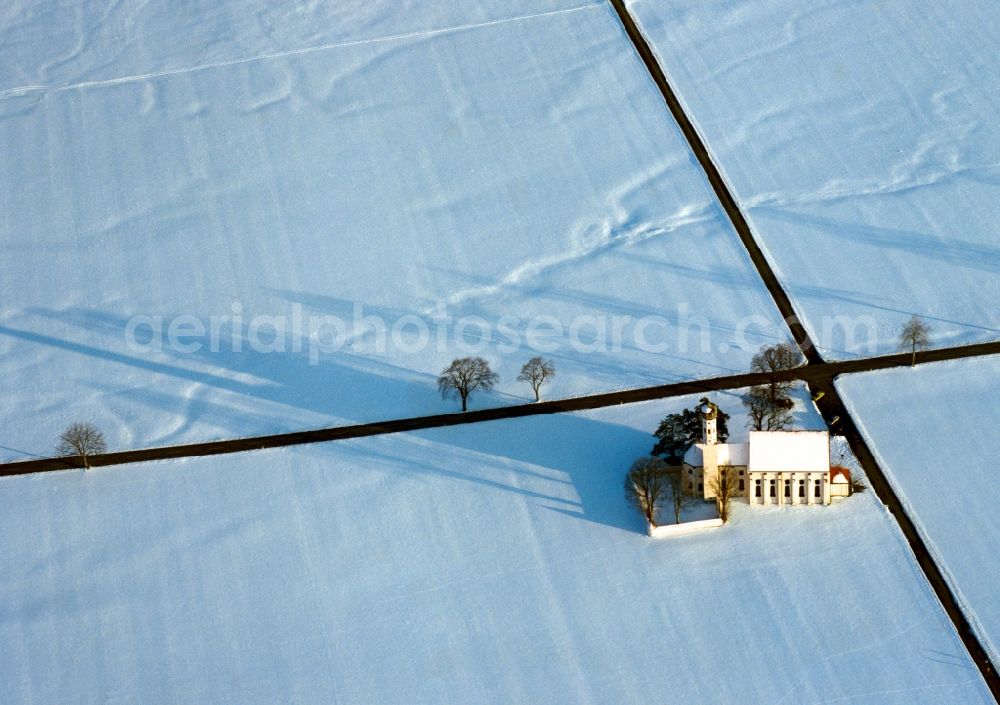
(719, 185)
(818, 376)
(909, 198)
(562, 541)
(932, 547)
(927, 557)
(20, 91)
(828, 399)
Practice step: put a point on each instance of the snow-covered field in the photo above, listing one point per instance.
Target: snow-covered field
(860, 139)
(495, 563)
(934, 431)
(53, 43)
(227, 162)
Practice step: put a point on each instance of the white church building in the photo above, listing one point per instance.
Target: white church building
(773, 467)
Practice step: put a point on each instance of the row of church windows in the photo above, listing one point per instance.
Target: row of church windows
(773, 489)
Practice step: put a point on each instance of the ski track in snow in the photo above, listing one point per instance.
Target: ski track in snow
(839, 191)
(20, 91)
(868, 647)
(301, 181)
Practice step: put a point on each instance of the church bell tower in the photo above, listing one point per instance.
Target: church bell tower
(709, 423)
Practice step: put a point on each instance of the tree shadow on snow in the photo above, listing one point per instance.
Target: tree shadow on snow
(344, 387)
(590, 456)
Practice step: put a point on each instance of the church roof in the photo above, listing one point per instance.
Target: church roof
(726, 454)
(840, 475)
(789, 451)
(734, 454)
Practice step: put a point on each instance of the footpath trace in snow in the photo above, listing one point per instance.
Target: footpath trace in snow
(892, 659)
(504, 162)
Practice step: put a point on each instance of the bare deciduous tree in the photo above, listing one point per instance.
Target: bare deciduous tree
(82, 440)
(536, 372)
(678, 500)
(645, 486)
(465, 376)
(915, 336)
(764, 413)
(775, 358)
(726, 486)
